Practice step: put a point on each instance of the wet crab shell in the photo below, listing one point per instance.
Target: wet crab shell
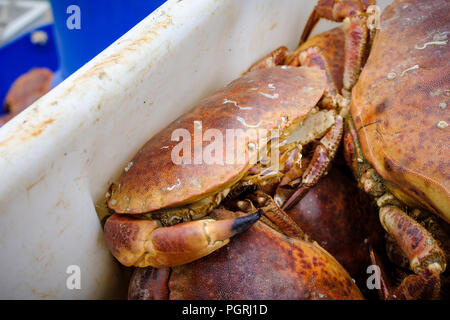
(399, 103)
(331, 44)
(342, 220)
(263, 99)
(259, 264)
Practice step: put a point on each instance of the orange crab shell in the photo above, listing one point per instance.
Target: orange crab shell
(331, 44)
(263, 99)
(341, 219)
(399, 103)
(259, 264)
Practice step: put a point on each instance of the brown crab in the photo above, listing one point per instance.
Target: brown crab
(26, 89)
(157, 203)
(396, 137)
(262, 263)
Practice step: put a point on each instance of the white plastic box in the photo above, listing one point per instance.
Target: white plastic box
(58, 157)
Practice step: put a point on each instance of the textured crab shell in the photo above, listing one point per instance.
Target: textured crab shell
(399, 103)
(340, 217)
(263, 99)
(332, 46)
(258, 264)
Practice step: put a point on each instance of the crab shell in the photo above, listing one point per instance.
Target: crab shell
(278, 97)
(399, 103)
(342, 219)
(26, 89)
(331, 44)
(258, 264)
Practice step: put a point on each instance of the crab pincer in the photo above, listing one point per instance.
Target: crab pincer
(140, 242)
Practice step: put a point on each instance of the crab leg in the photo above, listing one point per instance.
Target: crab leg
(335, 10)
(318, 167)
(354, 15)
(278, 217)
(414, 240)
(425, 285)
(356, 38)
(290, 181)
(425, 256)
(141, 243)
(313, 19)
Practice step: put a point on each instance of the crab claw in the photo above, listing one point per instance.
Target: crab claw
(141, 243)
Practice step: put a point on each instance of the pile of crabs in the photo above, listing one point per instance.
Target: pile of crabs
(357, 204)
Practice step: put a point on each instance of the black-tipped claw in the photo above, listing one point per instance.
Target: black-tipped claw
(243, 223)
